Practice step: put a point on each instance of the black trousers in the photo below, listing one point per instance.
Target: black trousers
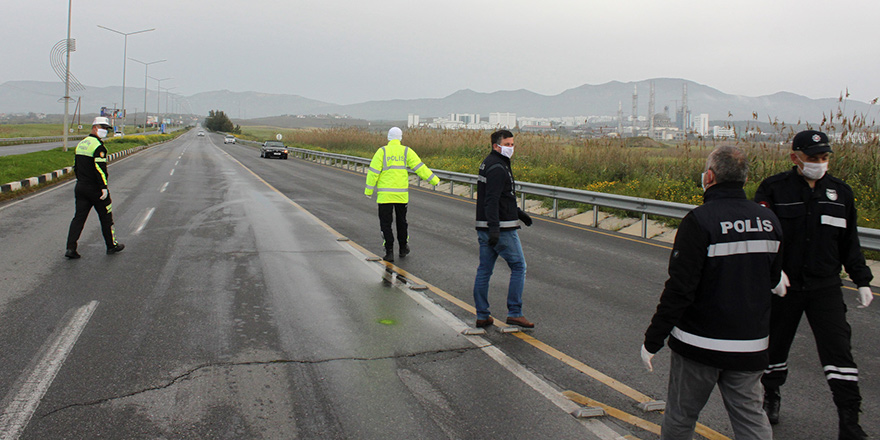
(387, 212)
(87, 198)
(826, 313)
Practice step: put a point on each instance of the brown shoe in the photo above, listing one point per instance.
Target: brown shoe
(521, 322)
(482, 323)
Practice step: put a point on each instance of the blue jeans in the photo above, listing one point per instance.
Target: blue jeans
(510, 250)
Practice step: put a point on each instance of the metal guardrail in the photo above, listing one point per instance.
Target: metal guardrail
(870, 238)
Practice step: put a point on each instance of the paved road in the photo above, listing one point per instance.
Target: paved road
(591, 292)
(233, 313)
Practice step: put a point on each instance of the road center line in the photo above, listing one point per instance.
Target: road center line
(172, 172)
(143, 222)
(161, 190)
(30, 391)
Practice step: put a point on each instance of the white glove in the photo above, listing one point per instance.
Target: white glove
(865, 297)
(781, 288)
(369, 196)
(104, 194)
(646, 358)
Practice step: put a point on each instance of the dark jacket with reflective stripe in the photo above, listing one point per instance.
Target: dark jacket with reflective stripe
(90, 163)
(716, 303)
(496, 195)
(820, 226)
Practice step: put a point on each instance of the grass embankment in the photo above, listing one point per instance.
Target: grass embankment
(21, 166)
(634, 167)
(42, 130)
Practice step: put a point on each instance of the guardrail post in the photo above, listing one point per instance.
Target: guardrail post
(451, 186)
(472, 191)
(595, 216)
(644, 225)
(555, 208)
(522, 200)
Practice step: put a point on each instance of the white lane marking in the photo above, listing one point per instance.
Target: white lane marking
(17, 414)
(161, 190)
(175, 163)
(172, 172)
(143, 222)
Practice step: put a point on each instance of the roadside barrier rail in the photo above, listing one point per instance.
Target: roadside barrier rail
(870, 238)
(39, 140)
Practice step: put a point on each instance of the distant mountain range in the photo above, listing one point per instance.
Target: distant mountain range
(603, 99)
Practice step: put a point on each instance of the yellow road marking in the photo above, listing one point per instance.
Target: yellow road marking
(623, 416)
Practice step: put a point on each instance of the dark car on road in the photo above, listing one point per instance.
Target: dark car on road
(273, 149)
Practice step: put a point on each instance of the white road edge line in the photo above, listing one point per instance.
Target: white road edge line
(21, 408)
(597, 427)
(143, 222)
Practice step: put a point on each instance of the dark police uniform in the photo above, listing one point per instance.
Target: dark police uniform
(716, 303)
(496, 195)
(90, 167)
(820, 235)
(715, 310)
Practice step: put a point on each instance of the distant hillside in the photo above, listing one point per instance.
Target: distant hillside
(603, 99)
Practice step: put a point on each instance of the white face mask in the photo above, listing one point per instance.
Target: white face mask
(102, 133)
(703, 181)
(506, 151)
(814, 171)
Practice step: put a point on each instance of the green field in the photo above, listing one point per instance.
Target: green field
(635, 167)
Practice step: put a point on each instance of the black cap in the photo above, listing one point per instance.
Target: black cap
(811, 142)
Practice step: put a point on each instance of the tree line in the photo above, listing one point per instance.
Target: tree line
(218, 121)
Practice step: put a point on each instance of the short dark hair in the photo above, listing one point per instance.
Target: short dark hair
(729, 164)
(500, 135)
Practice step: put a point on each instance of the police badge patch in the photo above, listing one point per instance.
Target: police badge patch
(102, 155)
(831, 194)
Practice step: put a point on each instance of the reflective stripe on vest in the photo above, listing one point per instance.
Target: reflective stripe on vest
(725, 345)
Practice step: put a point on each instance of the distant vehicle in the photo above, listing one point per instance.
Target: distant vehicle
(229, 139)
(272, 149)
(201, 133)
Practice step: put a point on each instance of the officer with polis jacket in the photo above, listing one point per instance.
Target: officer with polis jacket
(819, 222)
(715, 307)
(90, 166)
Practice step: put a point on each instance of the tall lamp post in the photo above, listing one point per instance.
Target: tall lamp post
(166, 103)
(124, 60)
(158, 97)
(146, 69)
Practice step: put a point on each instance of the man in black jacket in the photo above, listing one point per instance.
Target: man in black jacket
(497, 221)
(715, 307)
(819, 220)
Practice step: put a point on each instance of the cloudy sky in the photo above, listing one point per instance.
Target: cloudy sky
(353, 51)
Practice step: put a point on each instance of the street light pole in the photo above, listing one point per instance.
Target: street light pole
(146, 69)
(67, 78)
(158, 97)
(124, 62)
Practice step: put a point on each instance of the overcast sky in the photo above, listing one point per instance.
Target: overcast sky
(352, 51)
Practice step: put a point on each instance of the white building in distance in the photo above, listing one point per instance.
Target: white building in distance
(701, 125)
(412, 120)
(502, 120)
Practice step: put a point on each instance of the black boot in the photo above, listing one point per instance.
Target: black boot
(849, 424)
(404, 250)
(772, 402)
(389, 254)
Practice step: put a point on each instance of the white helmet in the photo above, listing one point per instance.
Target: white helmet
(100, 120)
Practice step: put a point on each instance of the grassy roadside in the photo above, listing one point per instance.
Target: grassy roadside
(21, 166)
(631, 167)
(42, 130)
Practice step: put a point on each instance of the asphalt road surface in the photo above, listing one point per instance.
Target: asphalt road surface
(238, 310)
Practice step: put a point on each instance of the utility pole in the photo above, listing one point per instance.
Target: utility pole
(146, 69)
(124, 60)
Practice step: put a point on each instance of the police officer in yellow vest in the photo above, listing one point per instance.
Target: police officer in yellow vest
(389, 178)
(91, 189)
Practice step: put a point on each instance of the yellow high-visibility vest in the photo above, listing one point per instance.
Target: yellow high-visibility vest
(388, 174)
